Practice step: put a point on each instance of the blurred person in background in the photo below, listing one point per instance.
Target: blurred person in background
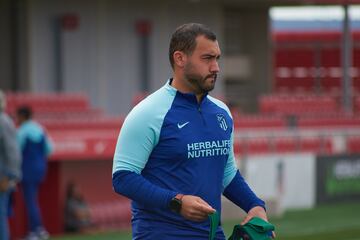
(35, 148)
(77, 213)
(10, 165)
(174, 156)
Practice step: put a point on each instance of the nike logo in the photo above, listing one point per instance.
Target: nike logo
(182, 125)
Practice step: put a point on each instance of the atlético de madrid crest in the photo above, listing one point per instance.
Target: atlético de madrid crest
(222, 121)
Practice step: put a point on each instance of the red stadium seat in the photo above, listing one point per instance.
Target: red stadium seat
(297, 104)
(353, 144)
(357, 104)
(259, 121)
(113, 123)
(284, 145)
(253, 146)
(316, 145)
(47, 103)
(318, 54)
(327, 122)
(292, 68)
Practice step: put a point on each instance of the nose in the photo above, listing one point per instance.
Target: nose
(215, 67)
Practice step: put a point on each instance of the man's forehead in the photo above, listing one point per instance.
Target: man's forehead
(207, 46)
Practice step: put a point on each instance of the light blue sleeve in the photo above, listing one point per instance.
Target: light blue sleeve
(49, 147)
(21, 137)
(230, 168)
(140, 132)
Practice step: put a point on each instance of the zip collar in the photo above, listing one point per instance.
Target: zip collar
(191, 97)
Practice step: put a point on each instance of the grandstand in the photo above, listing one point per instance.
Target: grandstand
(81, 131)
(305, 106)
(310, 62)
(77, 129)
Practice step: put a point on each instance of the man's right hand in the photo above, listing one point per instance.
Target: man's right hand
(195, 209)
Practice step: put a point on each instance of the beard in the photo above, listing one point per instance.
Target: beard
(201, 84)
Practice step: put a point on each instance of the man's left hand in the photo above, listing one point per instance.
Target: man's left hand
(256, 212)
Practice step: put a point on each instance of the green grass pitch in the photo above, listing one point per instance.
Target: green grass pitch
(328, 222)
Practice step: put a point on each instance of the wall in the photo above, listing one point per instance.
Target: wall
(289, 178)
(5, 46)
(101, 57)
(247, 38)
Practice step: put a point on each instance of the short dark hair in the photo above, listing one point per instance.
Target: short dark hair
(184, 38)
(25, 112)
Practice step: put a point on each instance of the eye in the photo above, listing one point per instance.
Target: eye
(208, 57)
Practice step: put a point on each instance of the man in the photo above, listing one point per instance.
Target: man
(10, 162)
(35, 148)
(174, 156)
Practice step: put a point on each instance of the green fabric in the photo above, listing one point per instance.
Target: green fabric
(237, 233)
(256, 229)
(214, 223)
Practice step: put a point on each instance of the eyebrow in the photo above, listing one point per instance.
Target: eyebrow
(207, 55)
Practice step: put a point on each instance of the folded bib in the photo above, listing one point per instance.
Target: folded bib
(255, 229)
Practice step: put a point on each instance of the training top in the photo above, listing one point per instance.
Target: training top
(168, 144)
(35, 148)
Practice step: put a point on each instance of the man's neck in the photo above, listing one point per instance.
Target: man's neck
(181, 86)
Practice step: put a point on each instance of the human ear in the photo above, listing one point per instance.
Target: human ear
(179, 58)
